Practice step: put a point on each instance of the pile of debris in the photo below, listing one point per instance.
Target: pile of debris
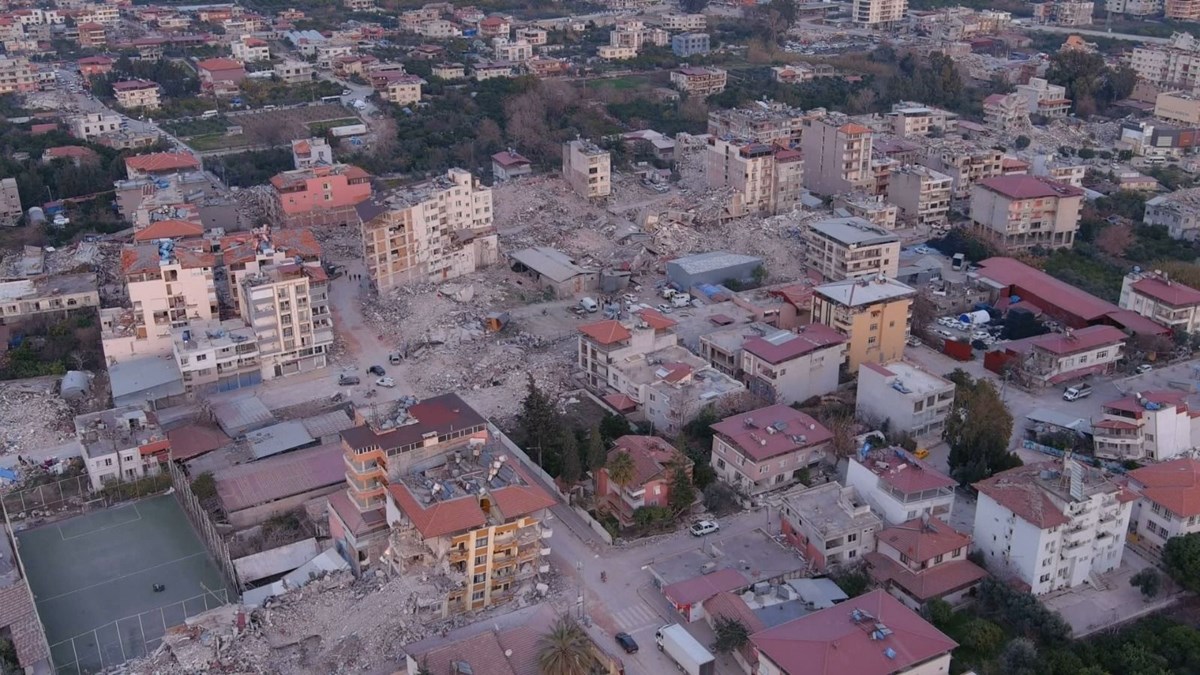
(339, 243)
(255, 205)
(33, 417)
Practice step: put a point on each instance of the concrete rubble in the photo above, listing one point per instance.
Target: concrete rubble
(33, 417)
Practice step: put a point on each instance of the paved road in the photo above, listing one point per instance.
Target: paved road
(1129, 37)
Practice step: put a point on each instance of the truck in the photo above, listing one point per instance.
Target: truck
(348, 130)
(685, 650)
(1077, 392)
(681, 300)
(958, 261)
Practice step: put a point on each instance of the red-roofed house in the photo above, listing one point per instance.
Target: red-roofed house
(1149, 425)
(726, 605)
(922, 560)
(851, 638)
(495, 26)
(91, 66)
(1157, 297)
(687, 597)
(787, 367)
(168, 229)
(509, 164)
(220, 75)
(653, 462)
(605, 343)
(1168, 503)
(159, 164)
(899, 486)
(76, 154)
(768, 448)
(1054, 358)
(1020, 212)
(1051, 525)
(321, 195)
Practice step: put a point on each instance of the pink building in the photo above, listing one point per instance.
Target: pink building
(216, 73)
(651, 485)
(321, 195)
(766, 449)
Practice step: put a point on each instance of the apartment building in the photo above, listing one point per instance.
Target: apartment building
(291, 71)
(1156, 296)
(170, 285)
(871, 208)
(247, 253)
(1051, 525)
(1177, 211)
(11, 210)
(102, 13)
(287, 306)
(669, 387)
(702, 81)
(1178, 106)
(768, 122)
(655, 461)
(57, 294)
(160, 165)
(320, 195)
(91, 35)
(690, 44)
(120, 444)
(1145, 426)
(873, 313)
(1061, 170)
(1055, 358)
(829, 524)
(587, 169)
(310, 152)
(1006, 113)
(684, 22)
(837, 155)
(966, 163)
(403, 90)
(495, 26)
(909, 119)
(768, 448)
(632, 34)
(906, 397)
(485, 70)
(787, 367)
(504, 49)
(1181, 10)
(216, 356)
(1063, 13)
(879, 14)
(450, 71)
(922, 560)
(1045, 99)
(137, 94)
(533, 35)
(900, 486)
(850, 248)
(16, 75)
(1166, 503)
(220, 76)
(1170, 66)
(436, 230)
(1021, 212)
(1134, 7)
(922, 194)
(604, 344)
(766, 179)
(248, 49)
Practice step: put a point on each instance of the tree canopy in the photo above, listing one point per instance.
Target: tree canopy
(1181, 557)
(565, 650)
(978, 430)
(1091, 84)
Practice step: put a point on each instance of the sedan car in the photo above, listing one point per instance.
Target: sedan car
(627, 643)
(1144, 368)
(385, 382)
(947, 321)
(945, 333)
(376, 370)
(704, 527)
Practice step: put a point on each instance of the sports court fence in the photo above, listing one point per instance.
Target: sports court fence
(73, 494)
(129, 638)
(200, 519)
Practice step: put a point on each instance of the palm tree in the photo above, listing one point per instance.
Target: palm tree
(621, 469)
(565, 650)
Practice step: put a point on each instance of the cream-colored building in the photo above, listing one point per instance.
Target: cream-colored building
(532, 34)
(767, 122)
(837, 155)
(616, 52)
(913, 119)
(684, 23)
(58, 294)
(872, 208)
(587, 168)
(965, 163)
(216, 356)
(10, 203)
(1020, 212)
(1045, 99)
(1134, 7)
(120, 444)
(287, 306)
(879, 14)
(1006, 113)
(849, 248)
(135, 94)
(16, 76)
(404, 90)
(922, 194)
(450, 71)
(634, 33)
(699, 81)
(433, 231)
(504, 49)
(292, 71)
(249, 49)
(766, 179)
(1178, 106)
(438, 28)
(1156, 296)
(1166, 503)
(873, 313)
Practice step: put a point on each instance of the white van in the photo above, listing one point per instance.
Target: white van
(208, 114)
(589, 305)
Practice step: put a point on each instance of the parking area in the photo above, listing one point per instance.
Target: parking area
(1090, 610)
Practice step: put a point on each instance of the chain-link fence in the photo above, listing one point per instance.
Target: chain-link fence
(129, 638)
(71, 495)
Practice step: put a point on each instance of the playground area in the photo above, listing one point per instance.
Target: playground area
(110, 583)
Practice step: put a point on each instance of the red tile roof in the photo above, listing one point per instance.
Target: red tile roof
(1172, 293)
(1017, 490)
(791, 430)
(1018, 186)
(441, 517)
(656, 319)
(606, 332)
(70, 151)
(934, 582)
(134, 85)
(698, 589)
(903, 471)
(808, 339)
(1175, 485)
(1163, 397)
(1049, 291)
(507, 158)
(853, 128)
(831, 642)
(194, 440)
(281, 476)
(168, 229)
(162, 161)
(729, 606)
(440, 414)
(18, 616)
(651, 455)
(218, 64)
(521, 500)
(1080, 340)
(923, 540)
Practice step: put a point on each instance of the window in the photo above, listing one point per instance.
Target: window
(852, 537)
(481, 542)
(108, 461)
(477, 595)
(851, 553)
(1101, 355)
(1046, 562)
(1044, 578)
(872, 340)
(480, 559)
(478, 578)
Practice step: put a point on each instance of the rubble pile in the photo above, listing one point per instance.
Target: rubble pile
(339, 243)
(255, 205)
(32, 416)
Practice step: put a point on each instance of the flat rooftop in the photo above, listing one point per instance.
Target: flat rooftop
(47, 287)
(914, 380)
(215, 336)
(832, 509)
(108, 431)
(853, 231)
(755, 554)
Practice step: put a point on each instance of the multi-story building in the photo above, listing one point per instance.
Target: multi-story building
(220, 76)
(58, 294)
(292, 71)
(403, 90)
(247, 253)
(965, 163)
(669, 387)
(10, 203)
(495, 26)
(91, 35)
(1134, 7)
(922, 560)
(1145, 426)
(217, 356)
(768, 448)
(92, 125)
(899, 485)
(1045, 99)
(94, 66)
(587, 168)
(287, 306)
(1182, 10)
(837, 155)
(310, 152)
(450, 71)
(433, 231)
(533, 35)
(488, 70)
(120, 444)
(921, 193)
(1006, 113)
(16, 75)
(1051, 525)
(905, 397)
(102, 13)
(604, 344)
(879, 14)
(871, 208)
(1061, 170)
(912, 119)
(654, 461)
(1063, 13)
(768, 122)
(1178, 211)
(689, 44)
(170, 285)
(1021, 212)
(872, 312)
(249, 49)
(1166, 503)
(849, 248)
(1055, 358)
(1171, 66)
(766, 179)
(702, 81)
(787, 367)
(829, 524)
(684, 22)
(160, 165)
(504, 49)
(438, 29)
(1156, 296)
(320, 195)
(632, 34)
(1178, 106)
(135, 94)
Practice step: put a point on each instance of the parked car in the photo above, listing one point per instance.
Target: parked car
(665, 308)
(913, 341)
(348, 380)
(1144, 368)
(981, 335)
(377, 370)
(385, 382)
(627, 643)
(945, 333)
(704, 527)
(947, 321)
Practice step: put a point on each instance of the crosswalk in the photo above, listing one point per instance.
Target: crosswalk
(636, 617)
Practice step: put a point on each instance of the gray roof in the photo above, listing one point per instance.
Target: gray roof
(548, 262)
(1058, 419)
(859, 292)
(239, 415)
(328, 424)
(853, 231)
(278, 438)
(714, 260)
(145, 379)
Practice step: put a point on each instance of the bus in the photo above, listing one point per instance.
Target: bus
(331, 99)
